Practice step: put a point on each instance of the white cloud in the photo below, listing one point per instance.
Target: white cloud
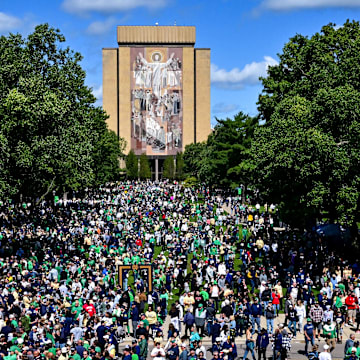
(287, 5)
(236, 78)
(107, 6)
(222, 108)
(9, 22)
(98, 93)
(101, 27)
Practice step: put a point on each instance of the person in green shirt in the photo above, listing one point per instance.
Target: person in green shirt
(74, 355)
(86, 355)
(329, 332)
(11, 356)
(143, 347)
(204, 295)
(145, 321)
(76, 309)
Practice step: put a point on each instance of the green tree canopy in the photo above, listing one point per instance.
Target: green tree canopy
(179, 166)
(144, 172)
(307, 153)
(52, 135)
(192, 156)
(132, 166)
(227, 147)
(169, 168)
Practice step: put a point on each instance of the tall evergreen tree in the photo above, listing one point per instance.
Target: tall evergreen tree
(132, 166)
(144, 172)
(169, 168)
(179, 172)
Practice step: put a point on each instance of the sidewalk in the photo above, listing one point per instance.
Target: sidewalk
(297, 343)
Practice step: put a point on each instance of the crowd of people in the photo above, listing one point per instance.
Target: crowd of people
(217, 277)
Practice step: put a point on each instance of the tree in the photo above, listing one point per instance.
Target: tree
(192, 157)
(180, 166)
(132, 166)
(108, 150)
(307, 153)
(227, 147)
(52, 135)
(145, 172)
(169, 168)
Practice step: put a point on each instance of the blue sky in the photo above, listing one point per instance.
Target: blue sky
(245, 36)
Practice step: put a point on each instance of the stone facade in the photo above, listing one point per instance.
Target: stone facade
(156, 89)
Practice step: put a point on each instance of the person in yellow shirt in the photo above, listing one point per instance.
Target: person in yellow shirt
(189, 301)
(151, 316)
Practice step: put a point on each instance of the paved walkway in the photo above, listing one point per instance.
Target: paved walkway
(297, 349)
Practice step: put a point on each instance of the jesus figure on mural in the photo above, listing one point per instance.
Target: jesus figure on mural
(157, 69)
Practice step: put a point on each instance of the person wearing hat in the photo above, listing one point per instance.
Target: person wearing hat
(217, 345)
(189, 321)
(309, 334)
(277, 344)
(316, 315)
(325, 355)
(255, 311)
(314, 353)
(135, 317)
(200, 316)
(173, 352)
(61, 353)
(292, 316)
(353, 354)
(127, 353)
(329, 332)
(270, 315)
(184, 352)
(74, 355)
(135, 347)
(262, 342)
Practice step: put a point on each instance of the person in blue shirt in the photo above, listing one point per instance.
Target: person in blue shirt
(230, 346)
(256, 311)
(309, 334)
(127, 353)
(135, 347)
(135, 317)
(173, 351)
(217, 346)
(277, 345)
(262, 343)
(301, 277)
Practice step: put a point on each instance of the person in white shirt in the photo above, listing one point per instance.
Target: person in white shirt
(301, 313)
(158, 353)
(325, 355)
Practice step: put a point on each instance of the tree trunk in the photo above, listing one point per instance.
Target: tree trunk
(50, 187)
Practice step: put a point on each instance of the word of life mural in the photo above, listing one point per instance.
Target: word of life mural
(156, 100)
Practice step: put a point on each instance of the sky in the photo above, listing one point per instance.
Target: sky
(245, 36)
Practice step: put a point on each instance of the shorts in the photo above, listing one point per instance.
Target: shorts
(351, 313)
(317, 325)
